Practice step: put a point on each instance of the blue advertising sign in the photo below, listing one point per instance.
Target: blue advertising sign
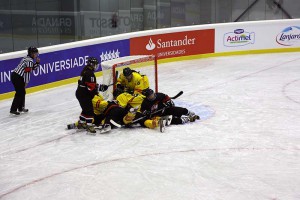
(64, 64)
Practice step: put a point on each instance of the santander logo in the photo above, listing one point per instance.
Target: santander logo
(150, 46)
(161, 44)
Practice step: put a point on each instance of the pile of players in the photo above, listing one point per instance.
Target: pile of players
(134, 103)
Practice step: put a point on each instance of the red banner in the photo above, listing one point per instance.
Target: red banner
(174, 44)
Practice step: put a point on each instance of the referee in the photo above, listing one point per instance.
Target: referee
(20, 78)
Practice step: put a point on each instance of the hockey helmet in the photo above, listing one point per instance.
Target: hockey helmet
(127, 71)
(32, 50)
(147, 92)
(117, 92)
(150, 94)
(92, 61)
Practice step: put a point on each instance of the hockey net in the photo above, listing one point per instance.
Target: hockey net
(144, 64)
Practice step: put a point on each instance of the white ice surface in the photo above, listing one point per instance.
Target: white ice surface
(246, 147)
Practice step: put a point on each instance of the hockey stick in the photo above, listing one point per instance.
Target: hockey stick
(157, 111)
(160, 110)
(115, 123)
(177, 95)
(164, 121)
(117, 73)
(99, 130)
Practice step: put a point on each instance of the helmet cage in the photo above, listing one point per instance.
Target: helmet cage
(93, 62)
(127, 72)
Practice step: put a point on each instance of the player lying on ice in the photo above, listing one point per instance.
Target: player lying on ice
(104, 111)
(131, 103)
(151, 111)
(154, 109)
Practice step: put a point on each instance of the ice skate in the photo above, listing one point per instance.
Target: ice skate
(103, 129)
(14, 112)
(193, 117)
(24, 110)
(164, 121)
(81, 125)
(91, 130)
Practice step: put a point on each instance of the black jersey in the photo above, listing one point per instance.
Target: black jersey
(88, 80)
(156, 104)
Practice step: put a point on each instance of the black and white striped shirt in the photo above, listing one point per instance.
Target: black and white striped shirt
(25, 67)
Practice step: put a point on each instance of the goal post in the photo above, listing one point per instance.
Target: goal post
(144, 64)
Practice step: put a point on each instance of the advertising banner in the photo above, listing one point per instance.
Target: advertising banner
(289, 36)
(244, 37)
(174, 44)
(64, 64)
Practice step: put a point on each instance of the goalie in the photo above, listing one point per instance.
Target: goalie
(132, 81)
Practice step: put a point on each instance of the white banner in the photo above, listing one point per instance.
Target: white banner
(257, 35)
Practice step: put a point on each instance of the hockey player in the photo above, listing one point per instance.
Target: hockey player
(132, 103)
(160, 104)
(20, 78)
(104, 111)
(85, 92)
(99, 105)
(127, 100)
(132, 82)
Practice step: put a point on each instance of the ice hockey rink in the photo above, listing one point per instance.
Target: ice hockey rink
(245, 147)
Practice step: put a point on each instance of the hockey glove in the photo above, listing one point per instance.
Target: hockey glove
(169, 103)
(103, 87)
(129, 91)
(134, 109)
(120, 86)
(37, 63)
(147, 113)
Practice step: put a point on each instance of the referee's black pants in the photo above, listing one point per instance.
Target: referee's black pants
(19, 99)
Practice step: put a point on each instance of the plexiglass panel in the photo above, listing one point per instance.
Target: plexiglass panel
(136, 14)
(40, 23)
(109, 17)
(292, 7)
(178, 11)
(123, 18)
(149, 14)
(257, 12)
(49, 23)
(90, 20)
(6, 37)
(238, 8)
(192, 12)
(163, 13)
(223, 11)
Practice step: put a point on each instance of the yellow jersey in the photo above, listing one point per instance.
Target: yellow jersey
(133, 101)
(137, 84)
(99, 104)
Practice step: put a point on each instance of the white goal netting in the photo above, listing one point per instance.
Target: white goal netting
(144, 64)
